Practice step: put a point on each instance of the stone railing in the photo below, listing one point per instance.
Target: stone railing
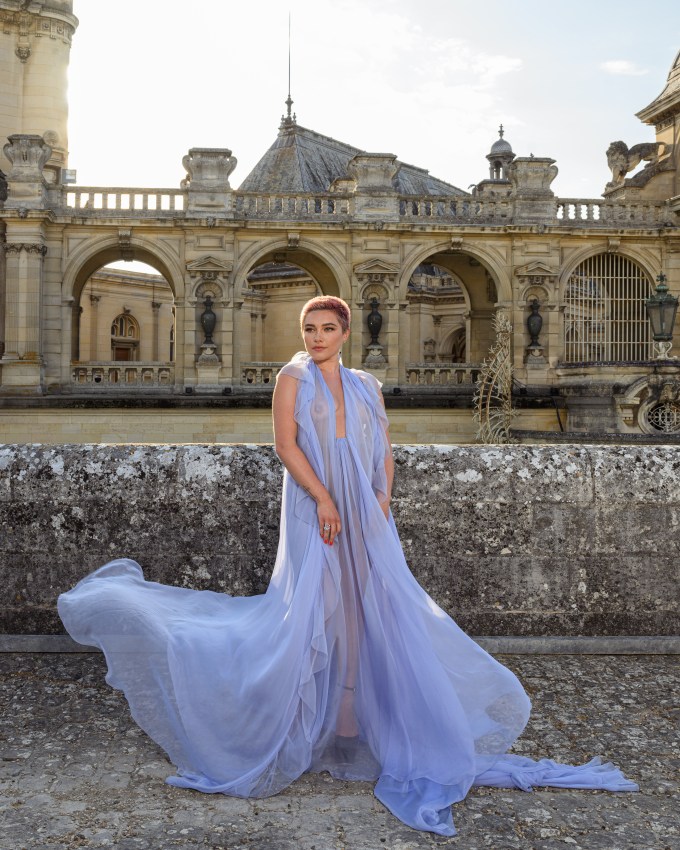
(122, 376)
(286, 207)
(436, 374)
(468, 209)
(583, 211)
(135, 202)
(100, 200)
(258, 373)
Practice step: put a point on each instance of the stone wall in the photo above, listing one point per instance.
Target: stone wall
(512, 540)
(165, 424)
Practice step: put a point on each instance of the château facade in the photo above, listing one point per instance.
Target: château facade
(91, 353)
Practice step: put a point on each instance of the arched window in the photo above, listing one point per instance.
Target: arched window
(605, 319)
(124, 337)
(458, 346)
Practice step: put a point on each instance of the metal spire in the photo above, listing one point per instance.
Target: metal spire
(290, 119)
(500, 129)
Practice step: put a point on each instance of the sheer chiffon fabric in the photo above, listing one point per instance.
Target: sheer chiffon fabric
(345, 664)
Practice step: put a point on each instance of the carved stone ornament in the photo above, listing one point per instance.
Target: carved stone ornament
(379, 273)
(125, 244)
(621, 159)
(532, 176)
(209, 268)
(374, 171)
(537, 276)
(23, 51)
(28, 154)
(28, 247)
(208, 168)
(456, 243)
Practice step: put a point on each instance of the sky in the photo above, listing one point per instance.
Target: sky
(429, 81)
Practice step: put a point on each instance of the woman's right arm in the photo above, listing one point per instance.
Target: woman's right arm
(293, 458)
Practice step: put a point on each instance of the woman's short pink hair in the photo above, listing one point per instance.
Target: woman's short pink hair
(328, 302)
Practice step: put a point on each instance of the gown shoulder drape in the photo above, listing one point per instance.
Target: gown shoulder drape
(344, 664)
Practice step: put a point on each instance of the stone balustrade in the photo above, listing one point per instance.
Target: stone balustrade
(98, 200)
(122, 375)
(133, 202)
(468, 209)
(635, 213)
(285, 207)
(436, 374)
(257, 373)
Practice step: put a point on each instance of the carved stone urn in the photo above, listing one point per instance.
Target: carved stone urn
(208, 321)
(374, 322)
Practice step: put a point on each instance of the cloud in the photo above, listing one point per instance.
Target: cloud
(623, 67)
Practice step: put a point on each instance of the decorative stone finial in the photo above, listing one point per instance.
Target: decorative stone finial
(500, 131)
(290, 118)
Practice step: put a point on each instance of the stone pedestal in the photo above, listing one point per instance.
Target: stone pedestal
(207, 180)
(22, 377)
(530, 178)
(26, 184)
(375, 196)
(208, 368)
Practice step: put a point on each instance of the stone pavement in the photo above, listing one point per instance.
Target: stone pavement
(75, 772)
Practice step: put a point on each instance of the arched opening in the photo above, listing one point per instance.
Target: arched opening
(604, 317)
(276, 286)
(277, 293)
(438, 307)
(124, 315)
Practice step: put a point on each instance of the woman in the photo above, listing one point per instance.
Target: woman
(345, 664)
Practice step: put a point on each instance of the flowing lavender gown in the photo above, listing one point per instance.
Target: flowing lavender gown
(345, 664)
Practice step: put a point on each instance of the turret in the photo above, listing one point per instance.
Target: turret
(35, 46)
(500, 156)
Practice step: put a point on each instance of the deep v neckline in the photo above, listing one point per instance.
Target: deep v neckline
(334, 408)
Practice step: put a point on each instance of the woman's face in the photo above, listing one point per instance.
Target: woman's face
(323, 335)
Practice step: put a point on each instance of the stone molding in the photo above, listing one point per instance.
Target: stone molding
(28, 247)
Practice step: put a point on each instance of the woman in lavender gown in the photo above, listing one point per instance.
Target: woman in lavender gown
(345, 664)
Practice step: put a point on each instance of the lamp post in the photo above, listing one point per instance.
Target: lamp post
(661, 312)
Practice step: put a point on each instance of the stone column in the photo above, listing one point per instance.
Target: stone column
(22, 361)
(155, 307)
(94, 328)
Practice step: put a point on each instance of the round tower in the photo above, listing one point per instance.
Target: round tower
(35, 46)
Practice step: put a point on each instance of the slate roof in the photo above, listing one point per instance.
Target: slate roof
(301, 160)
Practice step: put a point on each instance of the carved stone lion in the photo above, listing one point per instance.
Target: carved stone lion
(622, 160)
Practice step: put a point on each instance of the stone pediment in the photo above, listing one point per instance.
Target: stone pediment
(376, 267)
(536, 269)
(208, 267)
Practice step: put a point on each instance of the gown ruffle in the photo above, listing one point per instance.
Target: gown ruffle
(344, 664)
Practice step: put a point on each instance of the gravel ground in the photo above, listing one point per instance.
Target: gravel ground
(75, 772)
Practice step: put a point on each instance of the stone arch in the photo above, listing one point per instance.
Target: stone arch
(98, 252)
(91, 255)
(454, 340)
(603, 294)
(576, 259)
(324, 264)
(266, 321)
(440, 254)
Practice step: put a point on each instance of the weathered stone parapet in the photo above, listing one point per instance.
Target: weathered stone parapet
(513, 540)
